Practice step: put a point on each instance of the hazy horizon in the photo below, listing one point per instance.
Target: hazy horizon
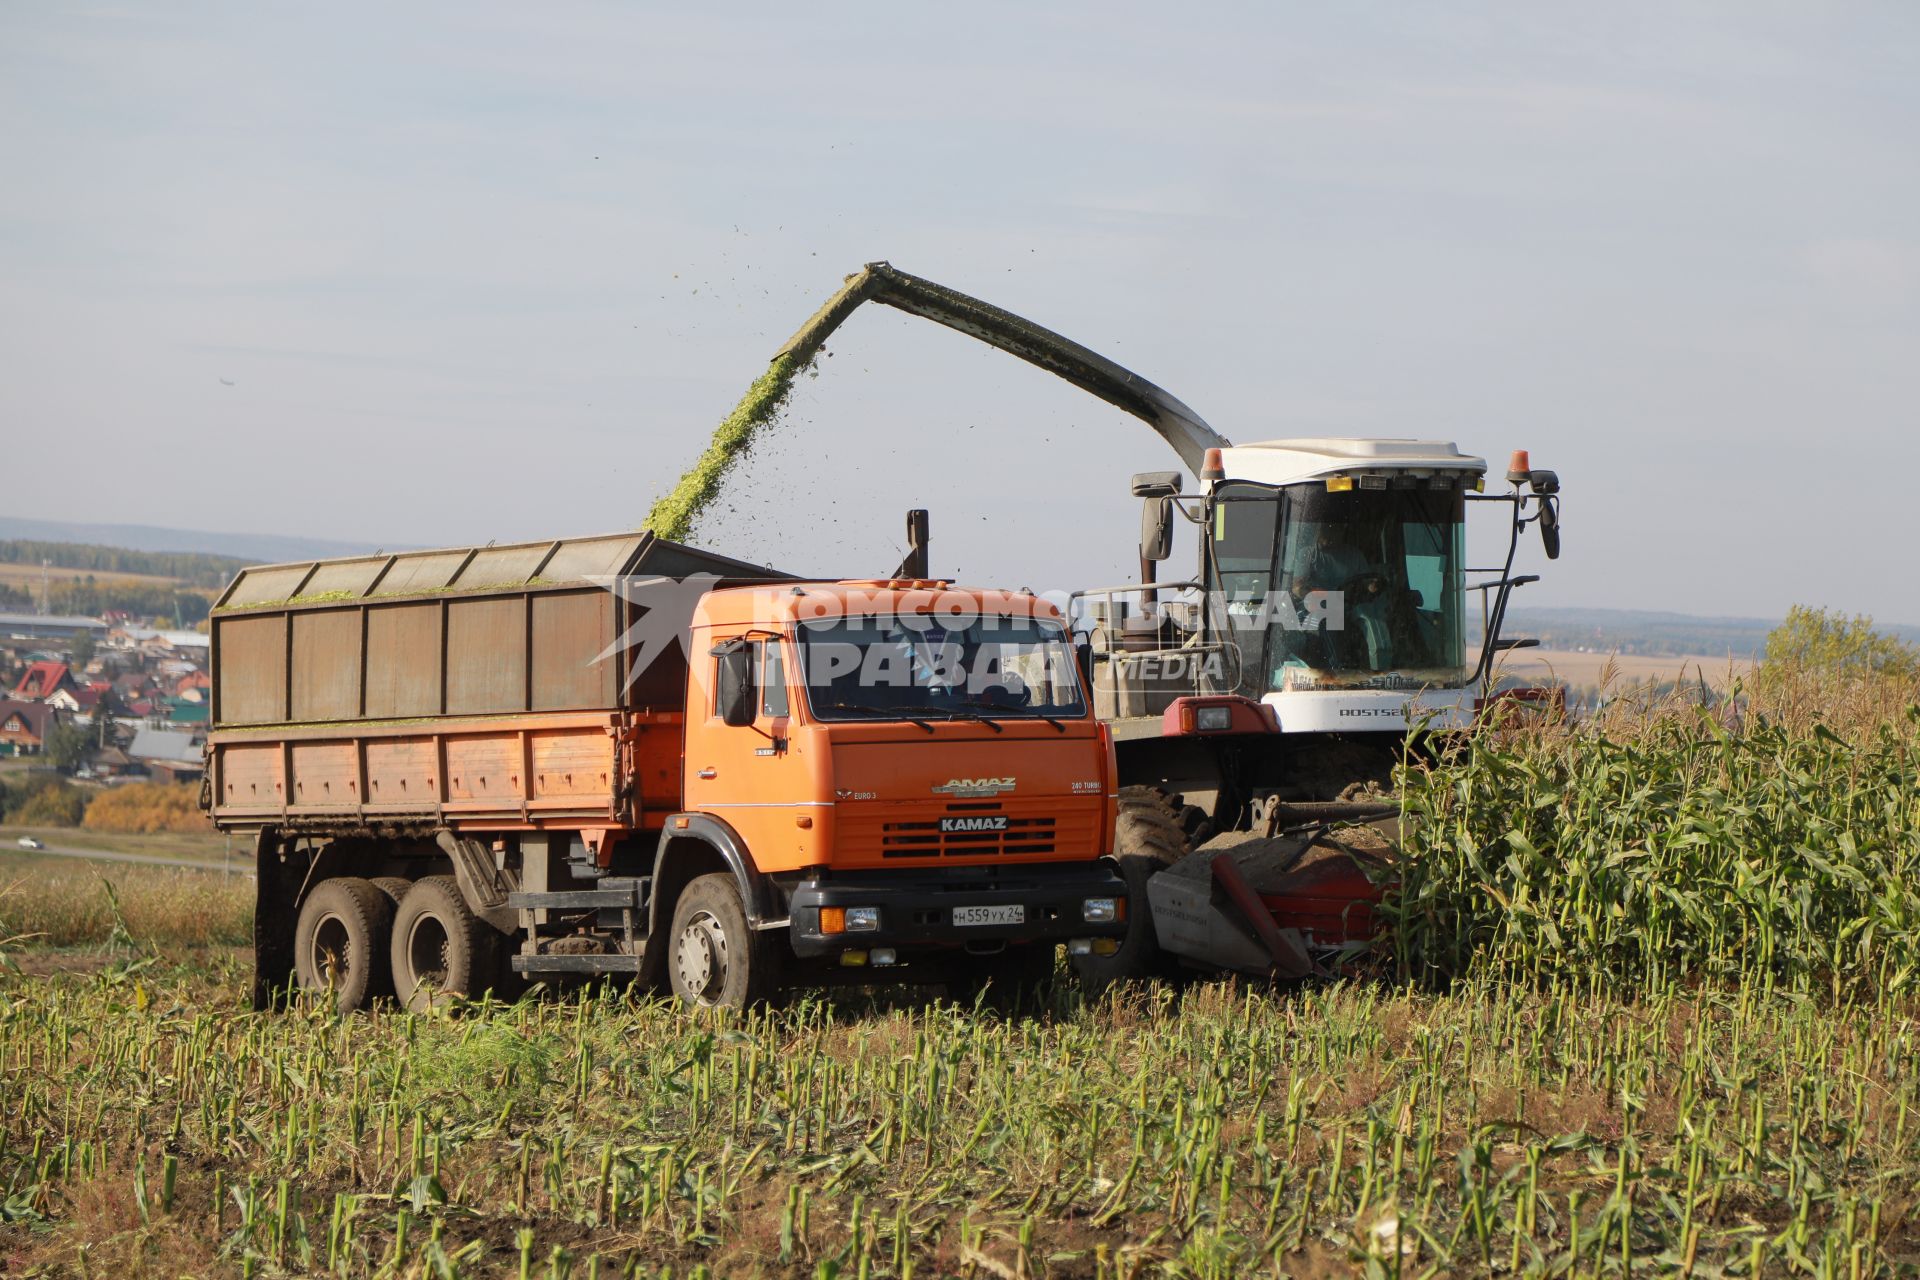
(441, 275)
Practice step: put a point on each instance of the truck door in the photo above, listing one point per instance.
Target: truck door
(750, 774)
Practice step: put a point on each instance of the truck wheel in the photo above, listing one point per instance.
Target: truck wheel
(340, 941)
(1010, 979)
(395, 887)
(713, 956)
(440, 948)
(1147, 839)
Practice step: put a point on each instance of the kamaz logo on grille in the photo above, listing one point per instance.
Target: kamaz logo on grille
(976, 822)
(974, 788)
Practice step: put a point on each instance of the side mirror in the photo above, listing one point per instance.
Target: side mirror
(1550, 527)
(733, 695)
(1156, 484)
(1156, 528)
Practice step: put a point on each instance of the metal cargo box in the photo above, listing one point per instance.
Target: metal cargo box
(490, 630)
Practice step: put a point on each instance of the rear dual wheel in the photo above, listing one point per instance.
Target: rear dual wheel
(340, 942)
(440, 950)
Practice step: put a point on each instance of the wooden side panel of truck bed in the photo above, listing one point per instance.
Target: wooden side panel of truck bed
(493, 772)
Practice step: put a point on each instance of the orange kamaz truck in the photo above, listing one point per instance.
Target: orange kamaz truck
(469, 768)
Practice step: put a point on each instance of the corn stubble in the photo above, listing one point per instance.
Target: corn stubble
(1654, 1014)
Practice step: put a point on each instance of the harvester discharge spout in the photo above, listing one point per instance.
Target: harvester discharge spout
(881, 282)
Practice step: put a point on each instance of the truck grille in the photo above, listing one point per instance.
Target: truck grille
(1007, 834)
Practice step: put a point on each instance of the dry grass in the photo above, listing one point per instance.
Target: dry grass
(81, 904)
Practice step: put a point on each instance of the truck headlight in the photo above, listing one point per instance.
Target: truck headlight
(1100, 910)
(849, 919)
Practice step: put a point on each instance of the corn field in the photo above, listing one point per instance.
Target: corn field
(1650, 1009)
(1684, 852)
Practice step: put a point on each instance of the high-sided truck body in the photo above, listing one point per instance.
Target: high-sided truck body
(621, 755)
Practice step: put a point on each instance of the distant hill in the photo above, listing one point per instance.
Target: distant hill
(255, 548)
(1641, 631)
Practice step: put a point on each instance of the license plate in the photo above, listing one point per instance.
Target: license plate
(990, 915)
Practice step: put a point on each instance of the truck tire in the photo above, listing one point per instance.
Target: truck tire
(1147, 839)
(340, 942)
(714, 956)
(440, 948)
(395, 887)
(1010, 980)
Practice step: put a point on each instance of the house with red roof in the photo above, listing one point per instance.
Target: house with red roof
(42, 680)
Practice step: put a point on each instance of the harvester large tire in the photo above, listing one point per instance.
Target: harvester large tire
(340, 942)
(440, 948)
(1147, 839)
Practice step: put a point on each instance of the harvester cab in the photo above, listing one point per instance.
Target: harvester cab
(1331, 589)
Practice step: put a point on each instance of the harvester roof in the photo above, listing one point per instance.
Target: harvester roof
(1279, 462)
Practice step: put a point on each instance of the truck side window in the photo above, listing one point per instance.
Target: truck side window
(773, 678)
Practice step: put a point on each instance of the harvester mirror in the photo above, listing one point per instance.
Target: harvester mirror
(1156, 484)
(1156, 528)
(1550, 527)
(733, 696)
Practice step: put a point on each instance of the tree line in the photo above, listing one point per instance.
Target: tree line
(192, 568)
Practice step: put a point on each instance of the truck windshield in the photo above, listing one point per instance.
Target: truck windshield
(1350, 590)
(922, 666)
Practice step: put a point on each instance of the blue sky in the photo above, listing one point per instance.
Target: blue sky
(493, 272)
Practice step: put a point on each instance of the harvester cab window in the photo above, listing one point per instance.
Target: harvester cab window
(1368, 586)
(1246, 519)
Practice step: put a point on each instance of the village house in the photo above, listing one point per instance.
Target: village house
(24, 726)
(171, 753)
(42, 680)
(75, 699)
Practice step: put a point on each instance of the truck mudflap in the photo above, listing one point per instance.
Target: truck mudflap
(1280, 906)
(950, 907)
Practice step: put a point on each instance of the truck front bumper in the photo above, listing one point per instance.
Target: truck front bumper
(922, 908)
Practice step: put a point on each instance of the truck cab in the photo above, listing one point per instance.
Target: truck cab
(915, 768)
